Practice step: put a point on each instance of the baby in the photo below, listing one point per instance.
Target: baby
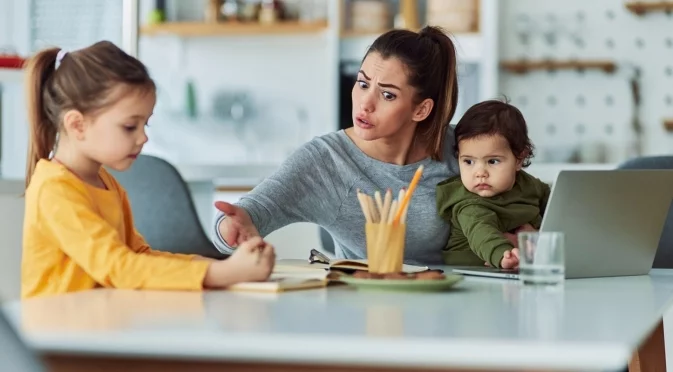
(493, 195)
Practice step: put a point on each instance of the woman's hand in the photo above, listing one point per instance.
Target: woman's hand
(237, 227)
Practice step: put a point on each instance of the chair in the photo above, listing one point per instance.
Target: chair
(664, 256)
(15, 355)
(163, 209)
(327, 242)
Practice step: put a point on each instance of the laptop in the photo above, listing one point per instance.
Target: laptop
(612, 220)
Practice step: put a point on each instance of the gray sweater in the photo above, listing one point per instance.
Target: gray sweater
(318, 184)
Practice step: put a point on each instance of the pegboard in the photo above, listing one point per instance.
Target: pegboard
(571, 114)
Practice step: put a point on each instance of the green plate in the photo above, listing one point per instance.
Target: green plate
(403, 285)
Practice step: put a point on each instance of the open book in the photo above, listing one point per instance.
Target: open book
(316, 272)
(320, 262)
(285, 279)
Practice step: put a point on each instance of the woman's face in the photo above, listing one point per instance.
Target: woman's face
(383, 102)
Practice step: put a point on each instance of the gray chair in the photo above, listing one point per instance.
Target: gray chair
(664, 256)
(15, 355)
(326, 241)
(163, 209)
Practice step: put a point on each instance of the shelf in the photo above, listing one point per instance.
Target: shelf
(642, 7)
(192, 29)
(11, 75)
(522, 67)
(354, 45)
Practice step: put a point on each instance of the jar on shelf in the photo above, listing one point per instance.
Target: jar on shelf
(248, 10)
(370, 15)
(229, 10)
(453, 15)
(270, 11)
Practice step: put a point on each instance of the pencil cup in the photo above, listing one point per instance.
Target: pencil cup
(385, 247)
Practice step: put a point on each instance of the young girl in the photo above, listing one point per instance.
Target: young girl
(492, 195)
(89, 109)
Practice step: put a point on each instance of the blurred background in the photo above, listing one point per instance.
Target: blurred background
(241, 84)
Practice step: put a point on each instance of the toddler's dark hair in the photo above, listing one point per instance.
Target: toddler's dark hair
(496, 117)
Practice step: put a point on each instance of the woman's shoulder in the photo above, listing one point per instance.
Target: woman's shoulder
(334, 145)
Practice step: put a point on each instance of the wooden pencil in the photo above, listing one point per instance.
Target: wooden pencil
(408, 194)
(393, 211)
(372, 209)
(386, 204)
(379, 201)
(364, 206)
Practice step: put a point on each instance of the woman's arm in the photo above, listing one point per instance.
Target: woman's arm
(306, 188)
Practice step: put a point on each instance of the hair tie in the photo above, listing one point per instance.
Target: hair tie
(59, 57)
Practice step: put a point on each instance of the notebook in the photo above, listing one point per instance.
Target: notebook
(318, 261)
(286, 278)
(316, 272)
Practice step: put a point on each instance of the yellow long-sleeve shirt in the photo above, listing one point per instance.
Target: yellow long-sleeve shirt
(78, 237)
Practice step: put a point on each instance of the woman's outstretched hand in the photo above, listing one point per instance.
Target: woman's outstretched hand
(237, 227)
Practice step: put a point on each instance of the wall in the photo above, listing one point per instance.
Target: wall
(11, 226)
(569, 110)
(14, 35)
(289, 82)
(29, 26)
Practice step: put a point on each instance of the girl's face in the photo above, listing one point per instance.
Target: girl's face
(115, 136)
(384, 104)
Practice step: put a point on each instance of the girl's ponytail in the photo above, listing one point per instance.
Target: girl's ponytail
(84, 80)
(43, 130)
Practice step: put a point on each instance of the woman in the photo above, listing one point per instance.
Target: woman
(403, 100)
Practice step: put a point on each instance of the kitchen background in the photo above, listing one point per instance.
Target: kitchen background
(240, 89)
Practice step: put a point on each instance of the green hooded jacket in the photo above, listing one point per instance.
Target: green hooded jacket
(478, 223)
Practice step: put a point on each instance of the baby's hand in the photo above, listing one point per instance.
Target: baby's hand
(511, 259)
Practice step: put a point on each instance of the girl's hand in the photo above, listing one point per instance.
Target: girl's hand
(253, 261)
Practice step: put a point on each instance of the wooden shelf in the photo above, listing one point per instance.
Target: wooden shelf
(190, 29)
(642, 7)
(522, 67)
(347, 34)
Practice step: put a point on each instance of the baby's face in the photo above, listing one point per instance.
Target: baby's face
(487, 165)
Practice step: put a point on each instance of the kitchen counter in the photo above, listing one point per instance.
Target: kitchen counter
(225, 175)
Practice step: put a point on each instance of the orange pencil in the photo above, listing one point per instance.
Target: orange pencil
(407, 194)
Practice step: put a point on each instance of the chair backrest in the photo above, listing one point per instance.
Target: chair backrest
(12, 207)
(327, 242)
(163, 209)
(15, 355)
(664, 256)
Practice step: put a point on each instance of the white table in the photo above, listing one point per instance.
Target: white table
(487, 324)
